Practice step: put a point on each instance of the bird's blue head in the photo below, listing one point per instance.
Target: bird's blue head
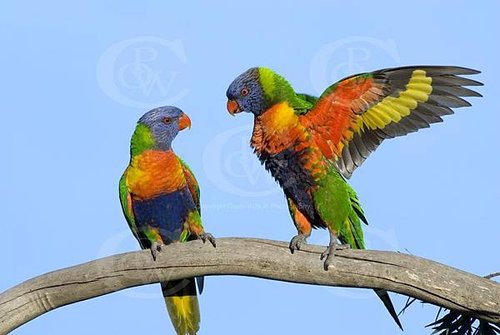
(246, 94)
(158, 127)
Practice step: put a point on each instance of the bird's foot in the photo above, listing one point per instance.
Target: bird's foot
(207, 237)
(329, 253)
(156, 248)
(297, 242)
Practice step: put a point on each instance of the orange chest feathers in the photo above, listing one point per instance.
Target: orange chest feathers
(277, 129)
(153, 173)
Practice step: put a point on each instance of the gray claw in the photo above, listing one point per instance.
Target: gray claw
(297, 242)
(207, 237)
(329, 253)
(325, 254)
(156, 248)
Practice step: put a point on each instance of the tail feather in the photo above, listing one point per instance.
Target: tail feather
(353, 235)
(356, 240)
(384, 296)
(182, 305)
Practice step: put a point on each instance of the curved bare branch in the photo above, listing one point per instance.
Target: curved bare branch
(409, 275)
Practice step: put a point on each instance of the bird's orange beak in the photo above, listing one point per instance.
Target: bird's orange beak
(184, 122)
(233, 107)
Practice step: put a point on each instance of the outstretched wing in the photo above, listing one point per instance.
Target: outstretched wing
(353, 116)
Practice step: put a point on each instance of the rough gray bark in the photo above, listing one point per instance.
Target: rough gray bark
(409, 275)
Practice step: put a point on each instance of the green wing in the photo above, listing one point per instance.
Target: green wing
(356, 216)
(338, 206)
(302, 102)
(309, 98)
(126, 202)
(194, 189)
(193, 186)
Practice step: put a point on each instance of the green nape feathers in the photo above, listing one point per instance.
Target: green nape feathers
(277, 89)
(142, 140)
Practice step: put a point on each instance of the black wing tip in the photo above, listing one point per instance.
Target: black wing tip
(478, 95)
(469, 82)
(451, 69)
(466, 70)
(440, 69)
(477, 83)
(460, 70)
(454, 71)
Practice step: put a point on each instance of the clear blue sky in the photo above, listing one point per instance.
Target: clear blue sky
(77, 75)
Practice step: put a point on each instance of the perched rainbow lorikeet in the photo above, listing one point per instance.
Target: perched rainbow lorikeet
(312, 145)
(160, 199)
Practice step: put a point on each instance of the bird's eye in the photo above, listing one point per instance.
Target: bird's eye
(167, 120)
(244, 91)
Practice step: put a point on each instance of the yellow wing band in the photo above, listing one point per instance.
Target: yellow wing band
(392, 109)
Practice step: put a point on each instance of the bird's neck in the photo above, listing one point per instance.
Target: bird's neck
(143, 140)
(278, 90)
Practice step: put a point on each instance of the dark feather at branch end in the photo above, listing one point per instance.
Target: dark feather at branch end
(455, 323)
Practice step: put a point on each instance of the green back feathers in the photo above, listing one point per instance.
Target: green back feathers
(123, 189)
(277, 89)
(309, 98)
(193, 184)
(331, 200)
(129, 215)
(353, 223)
(142, 140)
(338, 206)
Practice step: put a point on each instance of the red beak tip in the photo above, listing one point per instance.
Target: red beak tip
(184, 122)
(233, 107)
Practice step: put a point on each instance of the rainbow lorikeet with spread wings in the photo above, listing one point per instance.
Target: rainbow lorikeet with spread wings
(312, 145)
(160, 199)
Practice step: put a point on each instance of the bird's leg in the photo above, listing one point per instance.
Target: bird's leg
(329, 253)
(207, 237)
(156, 248)
(303, 226)
(196, 229)
(298, 241)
